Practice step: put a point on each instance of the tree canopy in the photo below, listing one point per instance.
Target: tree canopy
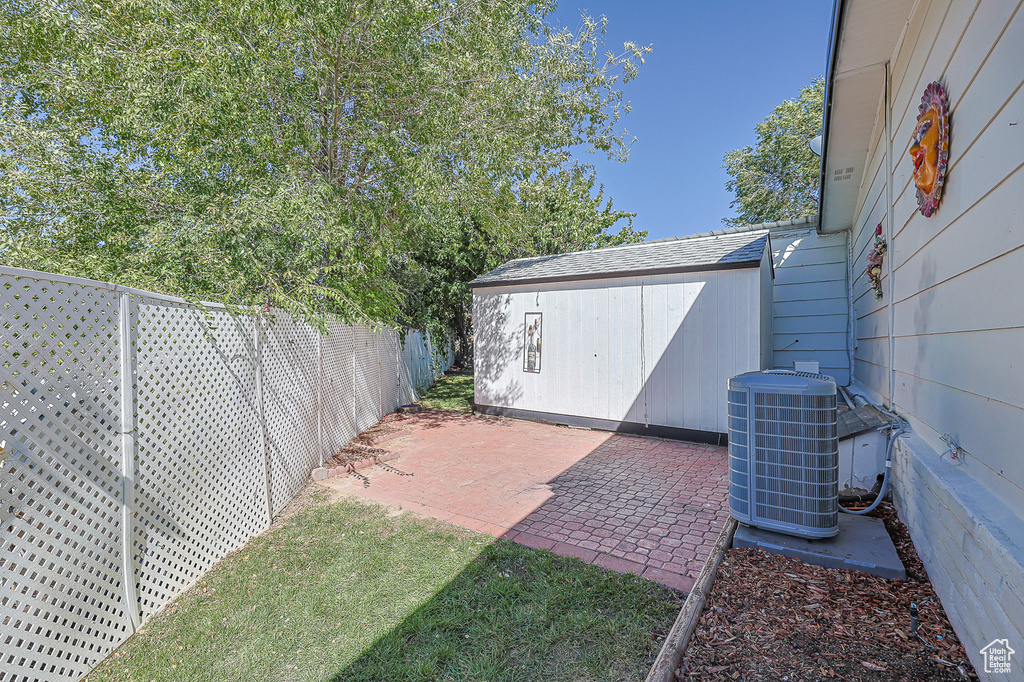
(777, 178)
(360, 157)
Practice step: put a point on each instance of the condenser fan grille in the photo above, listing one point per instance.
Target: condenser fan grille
(783, 453)
(739, 479)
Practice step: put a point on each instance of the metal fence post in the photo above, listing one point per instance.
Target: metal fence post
(128, 426)
(260, 403)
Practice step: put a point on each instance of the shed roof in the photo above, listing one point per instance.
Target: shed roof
(701, 253)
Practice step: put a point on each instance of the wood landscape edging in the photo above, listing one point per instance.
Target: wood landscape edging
(678, 637)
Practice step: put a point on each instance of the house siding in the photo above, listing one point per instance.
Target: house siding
(952, 307)
(766, 312)
(811, 308)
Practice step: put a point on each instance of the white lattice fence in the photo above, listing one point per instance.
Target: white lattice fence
(338, 401)
(420, 367)
(389, 349)
(290, 371)
(205, 422)
(200, 480)
(406, 371)
(367, 379)
(62, 603)
(424, 357)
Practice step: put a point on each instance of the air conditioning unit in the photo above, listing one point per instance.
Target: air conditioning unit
(784, 452)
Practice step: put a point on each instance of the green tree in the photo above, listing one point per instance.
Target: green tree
(777, 179)
(556, 214)
(288, 154)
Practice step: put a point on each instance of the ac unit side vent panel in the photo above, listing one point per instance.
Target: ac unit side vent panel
(784, 452)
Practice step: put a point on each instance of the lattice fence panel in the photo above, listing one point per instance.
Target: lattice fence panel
(424, 372)
(423, 366)
(339, 418)
(441, 360)
(200, 482)
(367, 378)
(61, 595)
(290, 369)
(199, 452)
(406, 371)
(389, 353)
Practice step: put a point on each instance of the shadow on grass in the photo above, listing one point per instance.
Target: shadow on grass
(351, 591)
(516, 613)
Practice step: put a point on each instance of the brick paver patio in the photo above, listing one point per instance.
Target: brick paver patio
(631, 504)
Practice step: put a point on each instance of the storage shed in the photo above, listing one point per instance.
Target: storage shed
(639, 338)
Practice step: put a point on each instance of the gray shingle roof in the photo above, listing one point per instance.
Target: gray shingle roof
(714, 252)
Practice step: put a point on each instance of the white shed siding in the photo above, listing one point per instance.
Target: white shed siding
(956, 312)
(811, 306)
(654, 350)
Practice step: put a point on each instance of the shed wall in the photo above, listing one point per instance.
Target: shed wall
(655, 350)
(951, 322)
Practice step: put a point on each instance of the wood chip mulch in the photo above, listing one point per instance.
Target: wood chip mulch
(363, 445)
(772, 618)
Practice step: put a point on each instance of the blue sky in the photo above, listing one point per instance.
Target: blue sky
(718, 68)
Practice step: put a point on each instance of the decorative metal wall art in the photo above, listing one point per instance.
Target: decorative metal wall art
(874, 269)
(532, 345)
(929, 147)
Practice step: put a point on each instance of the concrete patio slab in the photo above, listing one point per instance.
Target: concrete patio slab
(630, 504)
(862, 545)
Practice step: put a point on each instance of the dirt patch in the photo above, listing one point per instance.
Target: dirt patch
(364, 445)
(773, 618)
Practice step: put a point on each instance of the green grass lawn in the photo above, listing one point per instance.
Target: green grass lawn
(452, 392)
(349, 592)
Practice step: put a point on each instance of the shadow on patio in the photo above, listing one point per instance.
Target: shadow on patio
(637, 505)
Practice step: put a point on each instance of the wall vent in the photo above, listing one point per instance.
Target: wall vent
(784, 452)
(840, 174)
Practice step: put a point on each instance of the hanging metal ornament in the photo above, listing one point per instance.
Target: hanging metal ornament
(929, 147)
